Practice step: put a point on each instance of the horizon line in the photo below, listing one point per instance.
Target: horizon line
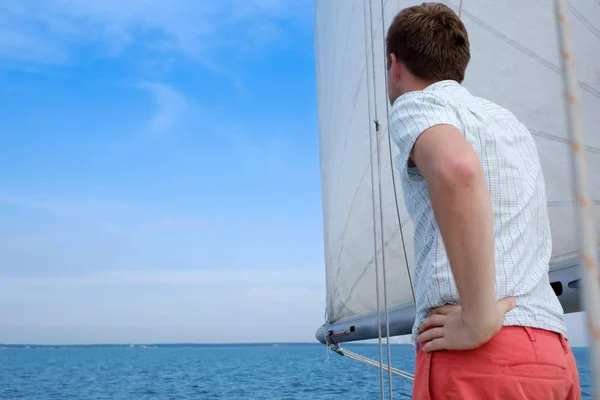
(166, 344)
(192, 344)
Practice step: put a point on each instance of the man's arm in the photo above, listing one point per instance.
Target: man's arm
(462, 207)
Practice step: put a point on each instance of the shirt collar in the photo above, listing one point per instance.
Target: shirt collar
(442, 85)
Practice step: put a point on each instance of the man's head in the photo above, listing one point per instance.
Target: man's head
(425, 44)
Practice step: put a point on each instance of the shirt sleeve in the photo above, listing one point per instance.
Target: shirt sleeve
(411, 115)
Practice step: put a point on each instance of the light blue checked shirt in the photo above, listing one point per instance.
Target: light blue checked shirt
(512, 169)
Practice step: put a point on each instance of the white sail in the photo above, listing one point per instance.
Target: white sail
(514, 62)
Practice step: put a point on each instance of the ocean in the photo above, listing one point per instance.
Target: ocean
(205, 372)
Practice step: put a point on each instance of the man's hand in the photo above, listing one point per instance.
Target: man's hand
(448, 328)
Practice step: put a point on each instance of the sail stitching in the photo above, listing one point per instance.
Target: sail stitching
(585, 86)
(364, 175)
(342, 159)
(568, 203)
(367, 267)
(347, 219)
(592, 28)
(355, 196)
(556, 138)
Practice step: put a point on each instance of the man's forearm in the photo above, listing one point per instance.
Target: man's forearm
(461, 203)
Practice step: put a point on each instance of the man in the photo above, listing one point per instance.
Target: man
(474, 188)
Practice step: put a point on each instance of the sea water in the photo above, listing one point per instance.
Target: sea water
(206, 372)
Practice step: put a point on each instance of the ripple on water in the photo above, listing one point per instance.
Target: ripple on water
(299, 372)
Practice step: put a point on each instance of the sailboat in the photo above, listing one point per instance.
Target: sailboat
(515, 62)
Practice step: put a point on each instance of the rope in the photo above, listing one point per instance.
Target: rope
(385, 297)
(381, 369)
(393, 170)
(372, 363)
(586, 221)
(381, 230)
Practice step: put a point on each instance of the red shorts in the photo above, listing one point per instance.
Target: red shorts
(518, 363)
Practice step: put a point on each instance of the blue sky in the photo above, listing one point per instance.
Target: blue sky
(159, 170)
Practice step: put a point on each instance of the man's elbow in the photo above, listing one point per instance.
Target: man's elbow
(459, 172)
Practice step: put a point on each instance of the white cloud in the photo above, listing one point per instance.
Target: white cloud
(176, 306)
(171, 105)
(170, 223)
(215, 306)
(278, 278)
(21, 46)
(74, 280)
(79, 205)
(43, 30)
(76, 283)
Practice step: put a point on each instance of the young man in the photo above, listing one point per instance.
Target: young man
(474, 187)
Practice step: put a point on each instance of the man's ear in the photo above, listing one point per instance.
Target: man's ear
(395, 69)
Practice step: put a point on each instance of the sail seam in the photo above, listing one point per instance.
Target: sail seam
(366, 268)
(567, 203)
(556, 138)
(364, 271)
(592, 28)
(585, 86)
(342, 159)
(353, 202)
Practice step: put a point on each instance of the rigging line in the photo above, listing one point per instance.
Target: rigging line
(372, 363)
(385, 297)
(380, 201)
(460, 8)
(392, 169)
(586, 221)
(379, 137)
(381, 380)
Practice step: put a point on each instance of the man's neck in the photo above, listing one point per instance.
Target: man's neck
(415, 84)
